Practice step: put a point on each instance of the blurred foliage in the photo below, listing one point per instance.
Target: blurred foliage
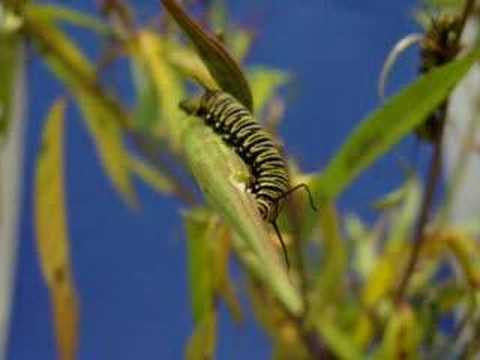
(354, 290)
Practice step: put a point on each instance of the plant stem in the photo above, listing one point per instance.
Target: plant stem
(427, 202)
(433, 177)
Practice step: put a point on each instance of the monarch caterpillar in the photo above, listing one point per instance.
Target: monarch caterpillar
(255, 146)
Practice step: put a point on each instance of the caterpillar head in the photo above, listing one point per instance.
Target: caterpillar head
(198, 105)
(191, 106)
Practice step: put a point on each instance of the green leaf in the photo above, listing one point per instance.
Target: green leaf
(51, 12)
(385, 127)
(222, 176)
(240, 42)
(389, 124)
(401, 337)
(329, 285)
(151, 176)
(403, 219)
(147, 110)
(339, 341)
(201, 345)
(224, 69)
(187, 63)
(199, 225)
(104, 117)
(52, 234)
(265, 82)
(108, 137)
(169, 90)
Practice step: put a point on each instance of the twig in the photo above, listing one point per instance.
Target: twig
(427, 202)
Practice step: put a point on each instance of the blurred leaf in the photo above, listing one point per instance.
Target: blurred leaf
(222, 175)
(102, 114)
(277, 323)
(224, 284)
(151, 176)
(382, 280)
(466, 251)
(9, 52)
(52, 233)
(365, 244)
(109, 144)
(329, 286)
(265, 82)
(403, 219)
(388, 125)
(188, 63)
(199, 231)
(168, 87)
(385, 127)
(402, 336)
(364, 330)
(222, 66)
(240, 42)
(50, 12)
(147, 110)
(201, 345)
(337, 340)
(217, 14)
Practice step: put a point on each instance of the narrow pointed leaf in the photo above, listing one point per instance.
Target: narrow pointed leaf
(147, 109)
(103, 115)
(265, 82)
(339, 341)
(52, 233)
(224, 69)
(383, 278)
(168, 87)
(389, 124)
(104, 129)
(187, 62)
(224, 283)
(385, 127)
(198, 224)
(401, 336)
(328, 287)
(201, 345)
(52, 12)
(151, 176)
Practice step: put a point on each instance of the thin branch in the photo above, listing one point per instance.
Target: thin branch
(434, 174)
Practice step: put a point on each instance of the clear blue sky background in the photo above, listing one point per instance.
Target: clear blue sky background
(131, 267)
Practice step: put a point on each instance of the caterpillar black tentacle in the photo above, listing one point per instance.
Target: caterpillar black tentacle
(255, 146)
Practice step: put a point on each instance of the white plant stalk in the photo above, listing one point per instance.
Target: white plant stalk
(11, 161)
(462, 138)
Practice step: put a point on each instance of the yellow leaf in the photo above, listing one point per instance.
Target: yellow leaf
(108, 139)
(52, 233)
(103, 115)
(201, 345)
(383, 278)
(189, 64)
(169, 88)
(151, 176)
(402, 336)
